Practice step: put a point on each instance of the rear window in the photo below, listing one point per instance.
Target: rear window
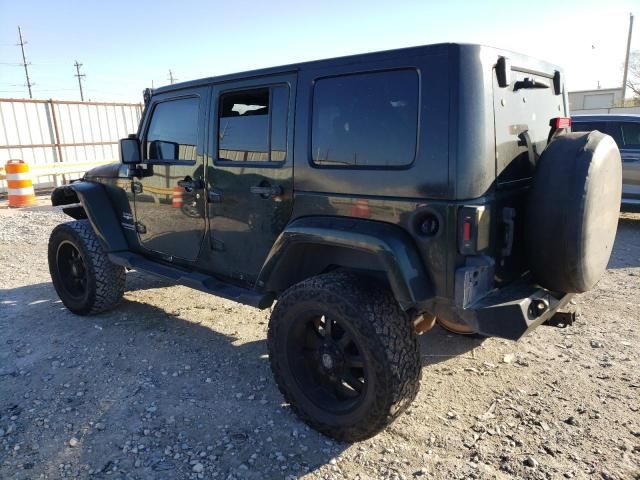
(367, 120)
(253, 125)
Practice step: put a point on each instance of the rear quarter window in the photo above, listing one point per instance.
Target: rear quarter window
(366, 120)
(630, 133)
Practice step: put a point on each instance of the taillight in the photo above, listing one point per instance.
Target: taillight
(466, 230)
(473, 229)
(561, 122)
(558, 123)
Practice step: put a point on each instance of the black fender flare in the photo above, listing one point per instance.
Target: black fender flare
(97, 208)
(309, 245)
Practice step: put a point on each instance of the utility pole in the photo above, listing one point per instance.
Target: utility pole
(172, 79)
(80, 77)
(626, 59)
(24, 62)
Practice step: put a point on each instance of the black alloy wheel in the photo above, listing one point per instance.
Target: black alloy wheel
(72, 270)
(328, 363)
(344, 354)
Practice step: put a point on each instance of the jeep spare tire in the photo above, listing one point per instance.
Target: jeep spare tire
(572, 211)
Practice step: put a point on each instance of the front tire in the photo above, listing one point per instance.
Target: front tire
(84, 278)
(344, 355)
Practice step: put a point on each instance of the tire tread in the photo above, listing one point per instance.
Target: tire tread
(108, 277)
(394, 340)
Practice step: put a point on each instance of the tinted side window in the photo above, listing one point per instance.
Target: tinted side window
(173, 130)
(630, 133)
(613, 129)
(253, 125)
(366, 120)
(588, 126)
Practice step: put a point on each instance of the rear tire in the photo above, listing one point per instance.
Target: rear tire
(344, 355)
(84, 278)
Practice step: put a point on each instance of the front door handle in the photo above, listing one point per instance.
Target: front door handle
(267, 191)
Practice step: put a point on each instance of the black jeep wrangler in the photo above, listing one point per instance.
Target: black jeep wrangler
(370, 196)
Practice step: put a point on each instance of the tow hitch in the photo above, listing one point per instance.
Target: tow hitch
(561, 319)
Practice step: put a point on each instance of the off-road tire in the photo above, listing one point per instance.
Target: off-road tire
(105, 281)
(382, 329)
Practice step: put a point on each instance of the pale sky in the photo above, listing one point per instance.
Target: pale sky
(126, 45)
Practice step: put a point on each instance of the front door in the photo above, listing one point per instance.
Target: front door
(249, 180)
(169, 193)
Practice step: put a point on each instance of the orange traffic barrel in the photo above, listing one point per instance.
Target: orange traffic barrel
(360, 208)
(176, 201)
(19, 184)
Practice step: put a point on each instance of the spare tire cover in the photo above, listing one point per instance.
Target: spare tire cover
(572, 211)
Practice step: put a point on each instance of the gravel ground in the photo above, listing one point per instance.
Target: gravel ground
(176, 384)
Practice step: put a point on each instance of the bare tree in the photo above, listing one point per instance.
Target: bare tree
(633, 77)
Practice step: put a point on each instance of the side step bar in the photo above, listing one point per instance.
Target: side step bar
(199, 281)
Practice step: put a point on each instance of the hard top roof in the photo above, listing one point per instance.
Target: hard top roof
(353, 59)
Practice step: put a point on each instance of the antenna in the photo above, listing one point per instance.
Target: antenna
(24, 62)
(172, 79)
(80, 77)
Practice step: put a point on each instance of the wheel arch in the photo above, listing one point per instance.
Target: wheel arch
(310, 246)
(90, 200)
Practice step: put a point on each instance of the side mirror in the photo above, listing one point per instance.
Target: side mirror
(130, 151)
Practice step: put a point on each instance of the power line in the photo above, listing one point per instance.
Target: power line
(24, 62)
(80, 77)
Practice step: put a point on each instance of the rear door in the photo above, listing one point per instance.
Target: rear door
(627, 136)
(250, 178)
(169, 193)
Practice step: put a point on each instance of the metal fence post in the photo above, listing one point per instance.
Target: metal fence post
(56, 139)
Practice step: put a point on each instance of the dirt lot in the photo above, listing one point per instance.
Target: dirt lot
(176, 384)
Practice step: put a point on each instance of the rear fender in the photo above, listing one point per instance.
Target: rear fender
(94, 204)
(312, 245)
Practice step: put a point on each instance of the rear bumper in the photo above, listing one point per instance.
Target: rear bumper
(513, 311)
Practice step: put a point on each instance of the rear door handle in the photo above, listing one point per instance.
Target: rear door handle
(266, 191)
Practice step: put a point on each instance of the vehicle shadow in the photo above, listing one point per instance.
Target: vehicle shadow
(146, 392)
(440, 345)
(626, 249)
